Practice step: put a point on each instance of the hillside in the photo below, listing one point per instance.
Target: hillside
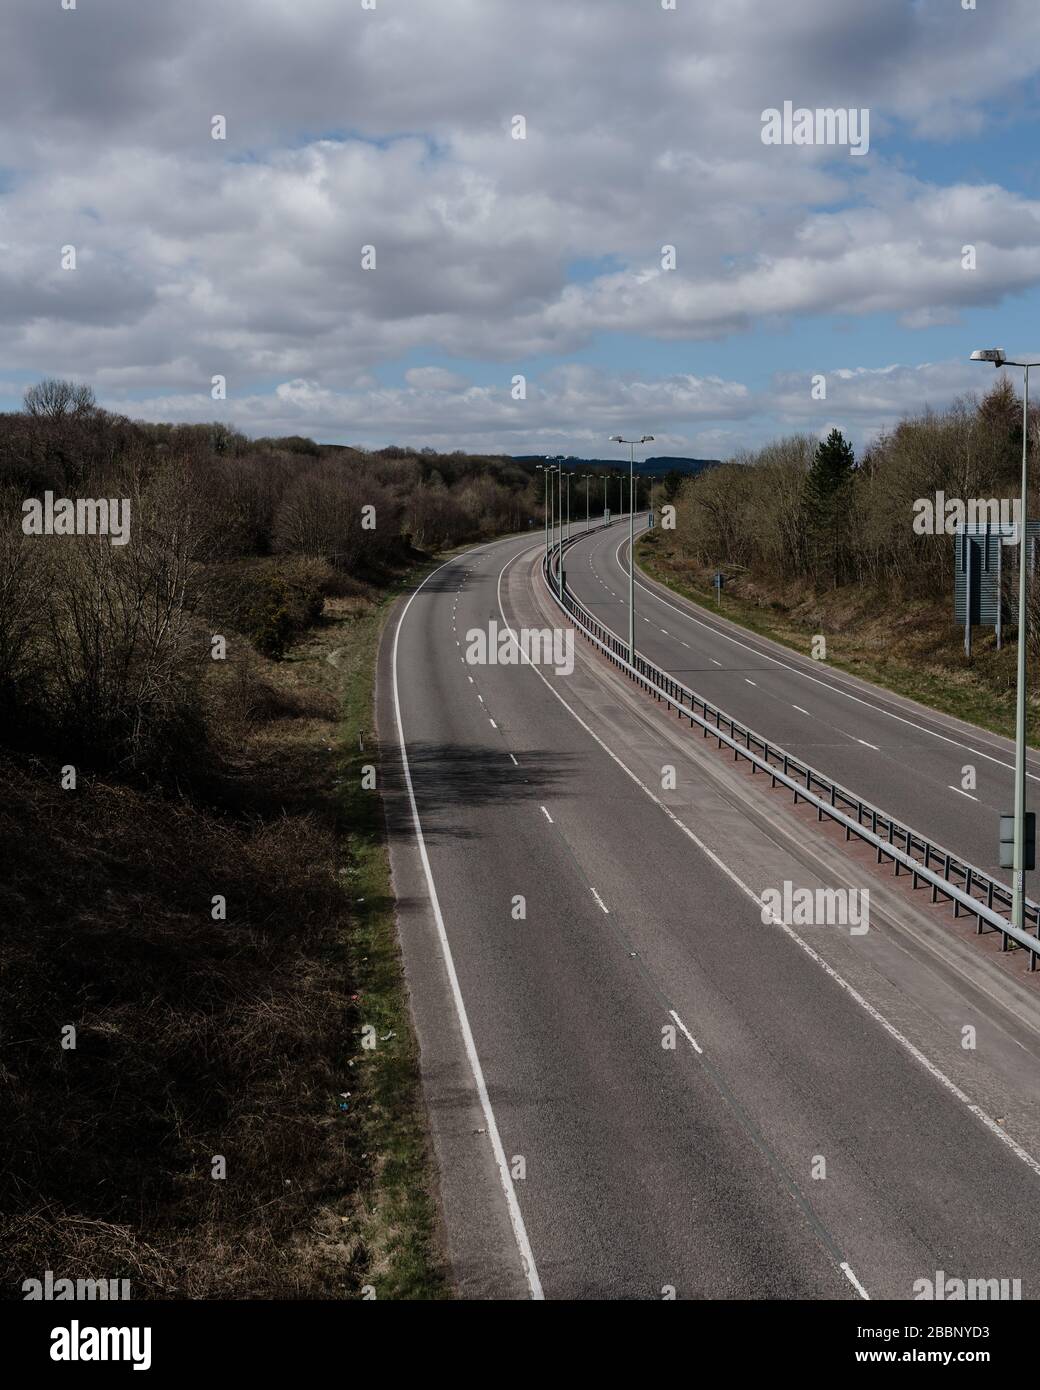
(810, 548)
(200, 929)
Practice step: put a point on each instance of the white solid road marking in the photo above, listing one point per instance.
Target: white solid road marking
(846, 1270)
(962, 792)
(686, 1032)
(523, 1244)
(837, 689)
(915, 1052)
(602, 904)
(547, 816)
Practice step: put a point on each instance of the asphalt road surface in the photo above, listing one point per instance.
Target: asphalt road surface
(905, 759)
(636, 1088)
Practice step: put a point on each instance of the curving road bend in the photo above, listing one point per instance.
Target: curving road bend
(636, 1090)
(907, 760)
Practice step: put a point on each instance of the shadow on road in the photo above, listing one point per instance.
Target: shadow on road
(450, 781)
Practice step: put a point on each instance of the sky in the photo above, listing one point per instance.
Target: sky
(522, 297)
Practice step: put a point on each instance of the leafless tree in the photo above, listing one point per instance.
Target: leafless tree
(53, 399)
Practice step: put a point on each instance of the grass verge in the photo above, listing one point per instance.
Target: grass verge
(911, 648)
(400, 1223)
(214, 1126)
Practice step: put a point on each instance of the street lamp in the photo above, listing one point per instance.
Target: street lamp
(544, 468)
(556, 462)
(1018, 877)
(645, 439)
(587, 477)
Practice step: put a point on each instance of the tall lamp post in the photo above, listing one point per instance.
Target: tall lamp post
(1018, 877)
(556, 462)
(559, 506)
(544, 468)
(644, 439)
(588, 478)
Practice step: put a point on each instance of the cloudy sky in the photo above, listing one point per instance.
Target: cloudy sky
(391, 124)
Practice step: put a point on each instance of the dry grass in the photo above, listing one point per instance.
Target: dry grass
(198, 1037)
(910, 646)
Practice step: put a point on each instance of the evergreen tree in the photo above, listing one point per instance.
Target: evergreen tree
(828, 488)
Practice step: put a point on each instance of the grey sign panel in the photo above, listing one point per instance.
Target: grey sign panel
(976, 569)
(979, 551)
(1011, 565)
(1007, 841)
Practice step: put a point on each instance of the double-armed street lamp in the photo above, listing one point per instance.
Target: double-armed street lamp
(644, 439)
(997, 357)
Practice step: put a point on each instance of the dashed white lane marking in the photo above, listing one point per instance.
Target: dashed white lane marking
(686, 1033)
(837, 689)
(962, 792)
(893, 1032)
(869, 745)
(480, 698)
(514, 760)
(750, 682)
(470, 679)
(492, 723)
(847, 1271)
(800, 710)
(717, 663)
(523, 1244)
(547, 816)
(602, 904)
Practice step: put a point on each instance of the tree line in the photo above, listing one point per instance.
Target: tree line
(106, 652)
(806, 512)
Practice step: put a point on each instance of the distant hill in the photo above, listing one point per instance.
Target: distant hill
(655, 466)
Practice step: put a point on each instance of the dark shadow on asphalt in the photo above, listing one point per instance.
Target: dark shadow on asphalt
(444, 583)
(450, 781)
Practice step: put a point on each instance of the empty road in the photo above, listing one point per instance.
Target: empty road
(637, 1089)
(907, 760)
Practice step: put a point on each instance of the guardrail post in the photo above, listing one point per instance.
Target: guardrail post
(996, 896)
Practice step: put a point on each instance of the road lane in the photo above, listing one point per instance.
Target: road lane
(908, 761)
(646, 1167)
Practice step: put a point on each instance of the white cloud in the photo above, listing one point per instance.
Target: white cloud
(391, 127)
